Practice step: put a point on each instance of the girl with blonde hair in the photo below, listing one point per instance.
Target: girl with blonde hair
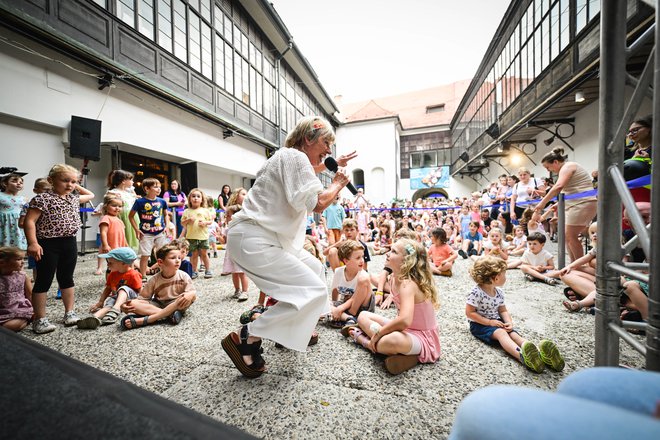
(412, 336)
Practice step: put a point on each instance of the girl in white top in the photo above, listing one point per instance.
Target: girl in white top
(266, 239)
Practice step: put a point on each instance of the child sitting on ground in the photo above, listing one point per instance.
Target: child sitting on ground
(537, 263)
(123, 284)
(441, 255)
(472, 241)
(351, 285)
(518, 245)
(350, 231)
(495, 246)
(491, 322)
(412, 336)
(183, 246)
(383, 241)
(15, 290)
(168, 294)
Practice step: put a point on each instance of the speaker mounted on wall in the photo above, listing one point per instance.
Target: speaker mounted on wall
(85, 138)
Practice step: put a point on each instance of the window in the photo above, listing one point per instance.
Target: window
(423, 159)
(125, 11)
(165, 24)
(180, 39)
(146, 18)
(435, 108)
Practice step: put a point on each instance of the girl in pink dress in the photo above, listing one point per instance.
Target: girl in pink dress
(412, 336)
(15, 290)
(362, 221)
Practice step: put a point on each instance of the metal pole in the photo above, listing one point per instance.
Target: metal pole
(653, 329)
(610, 114)
(561, 236)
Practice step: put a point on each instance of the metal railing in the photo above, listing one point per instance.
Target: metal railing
(613, 192)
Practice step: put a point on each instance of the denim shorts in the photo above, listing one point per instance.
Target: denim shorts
(112, 299)
(485, 332)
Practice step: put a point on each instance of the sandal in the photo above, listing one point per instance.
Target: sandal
(346, 329)
(237, 346)
(399, 363)
(569, 293)
(110, 317)
(248, 316)
(131, 319)
(175, 317)
(572, 306)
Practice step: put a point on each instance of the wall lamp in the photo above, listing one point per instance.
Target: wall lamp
(227, 134)
(579, 96)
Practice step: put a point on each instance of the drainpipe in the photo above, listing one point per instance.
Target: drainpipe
(278, 61)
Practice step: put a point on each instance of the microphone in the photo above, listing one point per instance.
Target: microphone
(331, 164)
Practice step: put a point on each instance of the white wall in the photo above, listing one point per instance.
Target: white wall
(376, 145)
(50, 94)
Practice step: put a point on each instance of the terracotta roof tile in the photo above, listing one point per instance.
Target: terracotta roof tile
(411, 107)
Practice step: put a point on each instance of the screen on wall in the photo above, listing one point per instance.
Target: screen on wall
(432, 177)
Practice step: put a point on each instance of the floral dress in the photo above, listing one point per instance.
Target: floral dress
(13, 303)
(10, 211)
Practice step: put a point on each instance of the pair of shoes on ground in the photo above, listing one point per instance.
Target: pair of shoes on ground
(536, 359)
(92, 322)
(462, 253)
(546, 280)
(43, 325)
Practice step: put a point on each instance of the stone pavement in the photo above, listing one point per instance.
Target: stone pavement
(336, 389)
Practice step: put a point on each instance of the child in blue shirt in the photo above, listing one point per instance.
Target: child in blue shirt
(151, 211)
(472, 241)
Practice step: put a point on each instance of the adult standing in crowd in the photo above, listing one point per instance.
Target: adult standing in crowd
(223, 198)
(175, 199)
(571, 179)
(266, 239)
(120, 182)
(528, 188)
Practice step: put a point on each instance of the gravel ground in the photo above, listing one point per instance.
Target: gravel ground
(336, 389)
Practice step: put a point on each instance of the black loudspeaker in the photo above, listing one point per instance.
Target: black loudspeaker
(493, 131)
(85, 138)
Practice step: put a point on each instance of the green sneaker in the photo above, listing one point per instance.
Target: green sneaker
(550, 355)
(529, 355)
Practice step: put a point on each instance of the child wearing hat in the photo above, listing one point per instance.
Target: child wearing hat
(123, 284)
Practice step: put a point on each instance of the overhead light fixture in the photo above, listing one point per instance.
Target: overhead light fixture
(464, 156)
(579, 96)
(549, 140)
(227, 133)
(500, 148)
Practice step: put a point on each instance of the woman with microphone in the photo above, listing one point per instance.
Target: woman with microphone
(266, 239)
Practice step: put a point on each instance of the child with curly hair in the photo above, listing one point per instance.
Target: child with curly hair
(412, 336)
(491, 322)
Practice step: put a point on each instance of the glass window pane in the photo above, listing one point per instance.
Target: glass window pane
(218, 19)
(205, 9)
(415, 160)
(165, 24)
(238, 77)
(581, 15)
(428, 159)
(229, 68)
(194, 48)
(125, 11)
(207, 56)
(146, 18)
(180, 38)
(565, 19)
(594, 9)
(219, 61)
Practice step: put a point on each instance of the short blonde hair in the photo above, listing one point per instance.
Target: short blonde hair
(62, 168)
(110, 198)
(311, 129)
(203, 204)
(485, 269)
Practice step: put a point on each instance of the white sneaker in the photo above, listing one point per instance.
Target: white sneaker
(42, 325)
(236, 294)
(70, 318)
(243, 296)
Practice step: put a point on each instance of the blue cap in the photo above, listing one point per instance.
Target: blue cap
(124, 254)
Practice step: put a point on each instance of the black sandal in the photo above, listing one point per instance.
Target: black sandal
(237, 346)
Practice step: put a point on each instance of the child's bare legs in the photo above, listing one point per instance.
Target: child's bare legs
(194, 259)
(581, 282)
(99, 266)
(517, 252)
(513, 264)
(637, 298)
(575, 306)
(236, 279)
(510, 342)
(16, 324)
(205, 259)
(144, 260)
(67, 299)
(528, 270)
(392, 343)
(150, 312)
(243, 280)
(439, 270)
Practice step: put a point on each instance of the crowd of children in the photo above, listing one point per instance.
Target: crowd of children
(420, 240)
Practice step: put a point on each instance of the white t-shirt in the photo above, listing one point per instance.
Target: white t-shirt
(521, 189)
(346, 288)
(487, 306)
(517, 241)
(539, 259)
(285, 190)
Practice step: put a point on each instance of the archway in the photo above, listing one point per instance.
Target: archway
(358, 179)
(429, 193)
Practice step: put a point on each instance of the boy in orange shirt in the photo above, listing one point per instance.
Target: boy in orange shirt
(123, 284)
